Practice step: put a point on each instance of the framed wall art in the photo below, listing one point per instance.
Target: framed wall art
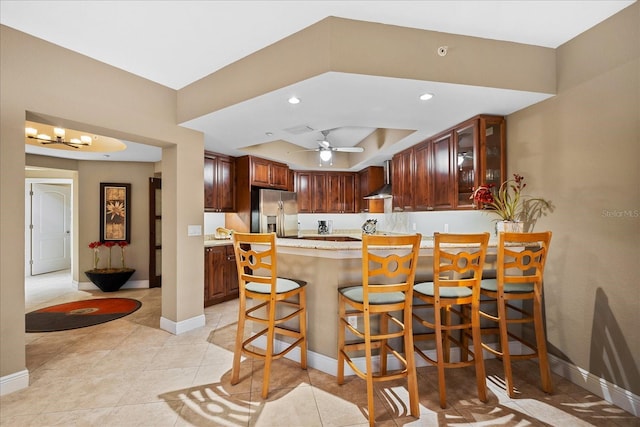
(115, 212)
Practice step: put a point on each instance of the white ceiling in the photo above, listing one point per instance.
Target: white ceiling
(163, 41)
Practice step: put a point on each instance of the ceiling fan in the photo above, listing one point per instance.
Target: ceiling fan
(325, 145)
(326, 149)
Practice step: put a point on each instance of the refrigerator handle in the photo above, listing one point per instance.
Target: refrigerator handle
(280, 219)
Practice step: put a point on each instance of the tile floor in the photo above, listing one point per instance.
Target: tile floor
(128, 372)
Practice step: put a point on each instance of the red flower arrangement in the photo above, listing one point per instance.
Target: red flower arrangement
(508, 201)
(109, 244)
(96, 253)
(123, 244)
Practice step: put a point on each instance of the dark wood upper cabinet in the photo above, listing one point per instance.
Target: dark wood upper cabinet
(402, 183)
(423, 182)
(341, 192)
(219, 183)
(370, 179)
(441, 172)
(326, 192)
(268, 174)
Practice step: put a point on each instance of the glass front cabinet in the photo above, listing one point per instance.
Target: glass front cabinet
(448, 166)
(479, 156)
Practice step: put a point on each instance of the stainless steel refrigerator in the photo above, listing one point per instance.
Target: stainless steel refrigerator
(277, 212)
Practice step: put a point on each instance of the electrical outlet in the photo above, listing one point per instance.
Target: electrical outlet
(413, 226)
(446, 228)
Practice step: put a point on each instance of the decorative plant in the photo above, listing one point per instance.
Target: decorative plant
(508, 202)
(96, 253)
(110, 244)
(123, 244)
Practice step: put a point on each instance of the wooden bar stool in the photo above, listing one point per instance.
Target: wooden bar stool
(388, 273)
(455, 290)
(276, 300)
(519, 271)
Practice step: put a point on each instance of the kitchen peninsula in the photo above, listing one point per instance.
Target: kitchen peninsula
(326, 265)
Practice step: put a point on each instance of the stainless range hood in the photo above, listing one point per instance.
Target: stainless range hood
(383, 192)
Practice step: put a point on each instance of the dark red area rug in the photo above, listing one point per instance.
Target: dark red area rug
(79, 314)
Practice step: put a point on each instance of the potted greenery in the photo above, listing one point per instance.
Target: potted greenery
(510, 204)
(109, 279)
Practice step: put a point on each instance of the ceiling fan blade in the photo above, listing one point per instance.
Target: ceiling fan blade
(348, 149)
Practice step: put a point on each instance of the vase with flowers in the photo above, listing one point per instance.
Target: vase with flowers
(508, 202)
(109, 279)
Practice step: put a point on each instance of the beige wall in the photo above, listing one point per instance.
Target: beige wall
(581, 150)
(78, 92)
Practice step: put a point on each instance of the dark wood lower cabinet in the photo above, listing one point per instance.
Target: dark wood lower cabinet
(220, 274)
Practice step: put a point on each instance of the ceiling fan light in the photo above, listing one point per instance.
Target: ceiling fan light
(44, 136)
(325, 155)
(85, 139)
(31, 131)
(59, 132)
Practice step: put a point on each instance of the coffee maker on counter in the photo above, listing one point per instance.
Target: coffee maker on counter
(325, 227)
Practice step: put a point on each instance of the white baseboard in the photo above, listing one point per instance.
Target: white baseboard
(183, 326)
(14, 382)
(600, 387)
(131, 284)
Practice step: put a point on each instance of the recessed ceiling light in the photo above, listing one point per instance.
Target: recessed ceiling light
(294, 100)
(426, 96)
(269, 133)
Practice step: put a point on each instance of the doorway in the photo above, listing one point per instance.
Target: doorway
(48, 226)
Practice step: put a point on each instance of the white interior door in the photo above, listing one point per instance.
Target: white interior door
(50, 228)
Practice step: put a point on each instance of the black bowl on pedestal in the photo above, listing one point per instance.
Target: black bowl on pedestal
(109, 279)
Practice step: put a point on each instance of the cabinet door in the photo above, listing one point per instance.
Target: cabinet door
(397, 187)
(279, 176)
(492, 149)
(209, 182)
(225, 184)
(442, 172)
(422, 177)
(341, 192)
(349, 191)
(466, 160)
(231, 274)
(260, 172)
(402, 165)
(318, 193)
(214, 286)
(303, 189)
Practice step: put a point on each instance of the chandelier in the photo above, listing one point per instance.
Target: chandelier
(58, 138)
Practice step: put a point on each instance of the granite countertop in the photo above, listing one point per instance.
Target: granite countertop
(305, 240)
(209, 242)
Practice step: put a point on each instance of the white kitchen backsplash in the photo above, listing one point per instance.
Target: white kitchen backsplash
(213, 220)
(403, 222)
(398, 222)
